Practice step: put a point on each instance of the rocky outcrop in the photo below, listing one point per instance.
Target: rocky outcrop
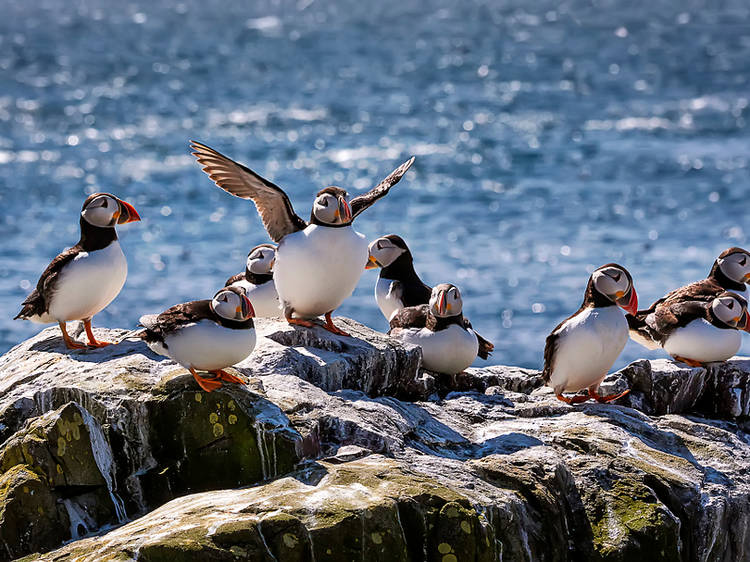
(720, 390)
(321, 457)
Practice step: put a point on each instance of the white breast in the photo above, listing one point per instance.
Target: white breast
(389, 301)
(208, 346)
(264, 298)
(588, 345)
(447, 351)
(318, 268)
(702, 341)
(88, 283)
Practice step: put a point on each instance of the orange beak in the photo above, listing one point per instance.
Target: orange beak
(127, 213)
(631, 307)
(247, 308)
(346, 210)
(372, 263)
(441, 303)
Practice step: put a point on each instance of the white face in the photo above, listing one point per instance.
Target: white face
(329, 209)
(736, 267)
(445, 301)
(612, 282)
(102, 211)
(729, 310)
(232, 306)
(384, 252)
(260, 260)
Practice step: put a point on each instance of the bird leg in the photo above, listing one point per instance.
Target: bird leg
(577, 399)
(222, 375)
(70, 343)
(691, 362)
(297, 321)
(206, 384)
(89, 334)
(333, 329)
(608, 398)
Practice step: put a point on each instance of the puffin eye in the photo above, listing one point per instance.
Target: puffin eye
(730, 306)
(743, 260)
(324, 202)
(616, 276)
(104, 204)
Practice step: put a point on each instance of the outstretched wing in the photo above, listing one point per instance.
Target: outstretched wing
(272, 203)
(361, 202)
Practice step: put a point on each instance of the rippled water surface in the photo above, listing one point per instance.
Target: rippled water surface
(551, 137)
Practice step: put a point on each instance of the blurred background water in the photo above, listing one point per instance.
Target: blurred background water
(551, 137)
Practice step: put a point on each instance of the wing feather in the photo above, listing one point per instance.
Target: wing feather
(273, 204)
(362, 202)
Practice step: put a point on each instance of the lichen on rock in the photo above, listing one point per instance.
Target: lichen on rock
(339, 449)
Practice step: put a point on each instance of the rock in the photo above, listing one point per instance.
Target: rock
(660, 387)
(112, 433)
(369, 361)
(497, 468)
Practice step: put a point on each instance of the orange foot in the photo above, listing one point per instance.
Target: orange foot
(301, 322)
(604, 399)
(691, 362)
(70, 343)
(577, 399)
(90, 335)
(333, 329)
(206, 384)
(227, 377)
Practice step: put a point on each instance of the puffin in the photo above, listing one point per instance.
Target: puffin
(204, 335)
(582, 348)
(695, 332)
(399, 286)
(449, 344)
(257, 281)
(318, 263)
(84, 279)
(730, 272)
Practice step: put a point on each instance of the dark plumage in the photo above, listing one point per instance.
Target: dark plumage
(157, 327)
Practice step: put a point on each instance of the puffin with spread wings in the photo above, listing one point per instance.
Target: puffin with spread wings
(318, 264)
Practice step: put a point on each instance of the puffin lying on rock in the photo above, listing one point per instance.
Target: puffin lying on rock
(398, 284)
(84, 279)
(694, 332)
(257, 281)
(449, 345)
(318, 264)
(206, 335)
(730, 272)
(582, 348)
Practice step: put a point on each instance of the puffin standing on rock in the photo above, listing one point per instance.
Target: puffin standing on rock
(257, 281)
(84, 279)
(449, 345)
(582, 348)
(318, 264)
(694, 332)
(398, 284)
(205, 335)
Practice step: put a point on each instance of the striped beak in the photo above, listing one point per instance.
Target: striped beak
(246, 307)
(441, 305)
(345, 211)
(629, 302)
(372, 263)
(746, 326)
(127, 213)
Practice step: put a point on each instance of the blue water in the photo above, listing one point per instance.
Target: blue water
(550, 138)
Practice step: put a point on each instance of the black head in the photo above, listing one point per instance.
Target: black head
(330, 208)
(612, 284)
